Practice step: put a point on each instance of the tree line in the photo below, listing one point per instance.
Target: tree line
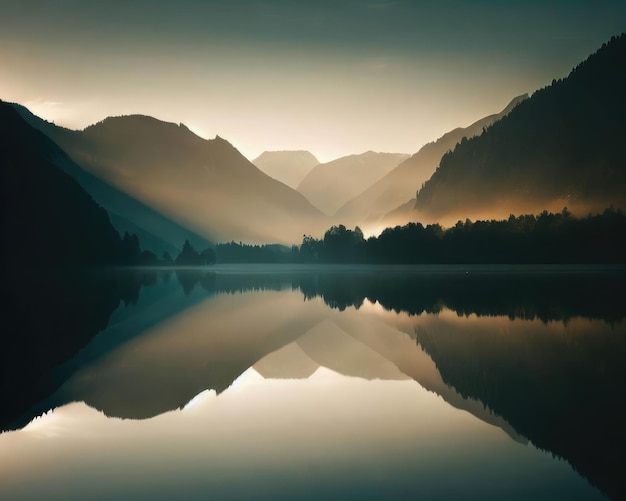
(188, 256)
(546, 238)
(526, 239)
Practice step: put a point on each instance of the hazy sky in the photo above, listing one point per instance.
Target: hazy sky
(334, 77)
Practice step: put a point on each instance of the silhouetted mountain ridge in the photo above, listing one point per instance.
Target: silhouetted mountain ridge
(562, 146)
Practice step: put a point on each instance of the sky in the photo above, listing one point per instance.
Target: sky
(332, 77)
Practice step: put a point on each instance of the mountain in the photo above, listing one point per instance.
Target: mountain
(561, 147)
(204, 185)
(399, 185)
(328, 186)
(47, 218)
(155, 231)
(289, 167)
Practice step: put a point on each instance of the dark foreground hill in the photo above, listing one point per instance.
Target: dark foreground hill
(564, 146)
(46, 217)
(127, 214)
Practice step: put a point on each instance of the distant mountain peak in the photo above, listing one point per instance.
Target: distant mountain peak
(330, 185)
(287, 166)
(135, 127)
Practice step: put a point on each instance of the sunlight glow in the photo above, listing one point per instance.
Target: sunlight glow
(372, 230)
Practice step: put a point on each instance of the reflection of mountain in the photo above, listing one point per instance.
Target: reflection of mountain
(324, 437)
(556, 383)
(207, 345)
(399, 185)
(48, 316)
(288, 167)
(526, 292)
(207, 186)
(210, 343)
(384, 336)
(155, 231)
(328, 345)
(531, 295)
(561, 147)
(329, 185)
(563, 389)
(364, 346)
(288, 362)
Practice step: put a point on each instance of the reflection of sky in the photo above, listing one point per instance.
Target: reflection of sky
(333, 77)
(325, 435)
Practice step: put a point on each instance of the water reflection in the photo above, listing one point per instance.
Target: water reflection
(324, 437)
(562, 387)
(354, 374)
(47, 316)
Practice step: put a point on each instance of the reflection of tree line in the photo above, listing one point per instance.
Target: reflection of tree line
(218, 283)
(546, 296)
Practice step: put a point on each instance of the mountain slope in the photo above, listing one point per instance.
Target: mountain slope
(154, 230)
(400, 184)
(561, 147)
(328, 186)
(46, 217)
(289, 167)
(204, 185)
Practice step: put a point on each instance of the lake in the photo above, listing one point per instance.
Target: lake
(305, 382)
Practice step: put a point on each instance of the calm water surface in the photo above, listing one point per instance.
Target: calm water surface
(315, 383)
